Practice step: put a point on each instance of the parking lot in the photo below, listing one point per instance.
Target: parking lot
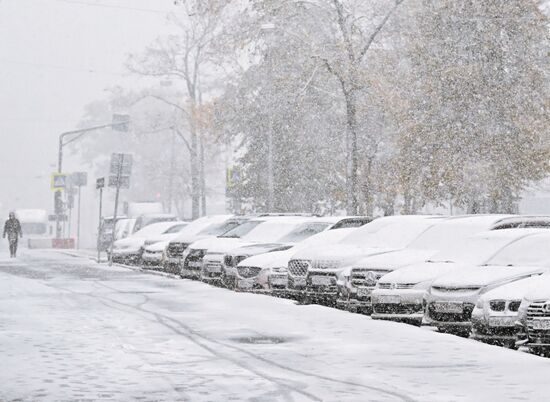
(71, 329)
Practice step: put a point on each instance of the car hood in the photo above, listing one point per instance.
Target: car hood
(163, 238)
(130, 242)
(158, 246)
(421, 272)
(516, 290)
(540, 290)
(485, 275)
(260, 248)
(274, 259)
(338, 254)
(395, 259)
(190, 238)
(218, 245)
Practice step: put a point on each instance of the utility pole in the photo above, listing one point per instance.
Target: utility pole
(100, 184)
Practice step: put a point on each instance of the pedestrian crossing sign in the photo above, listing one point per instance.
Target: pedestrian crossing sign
(59, 181)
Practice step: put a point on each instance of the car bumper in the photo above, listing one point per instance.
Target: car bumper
(398, 305)
(450, 312)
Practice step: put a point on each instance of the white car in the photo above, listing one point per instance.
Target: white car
(129, 250)
(209, 253)
(533, 323)
(357, 282)
(153, 249)
(401, 294)
(268, 271)
(313, 272)
(195, 229)
(496, 312)
(452, 297)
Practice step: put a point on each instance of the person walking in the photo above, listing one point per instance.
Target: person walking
(12, 228)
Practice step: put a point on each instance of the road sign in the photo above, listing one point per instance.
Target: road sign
(121, 164)
(59, 181)
(79, 179)
(60, 218)
(100, 183)
(124, 181)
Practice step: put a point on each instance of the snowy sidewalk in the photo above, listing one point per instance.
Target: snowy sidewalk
(71, 329)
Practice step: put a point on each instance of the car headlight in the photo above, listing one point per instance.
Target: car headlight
(497, 305)
(513, 305)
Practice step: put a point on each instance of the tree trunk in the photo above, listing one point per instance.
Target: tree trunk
(202, 176)
(195, 180)
(351, 153)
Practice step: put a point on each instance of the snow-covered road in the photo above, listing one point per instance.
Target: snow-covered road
(74, 330)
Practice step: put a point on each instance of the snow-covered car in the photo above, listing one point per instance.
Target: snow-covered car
(496, 312)
(152, 255)
(357, 282)
(106, 232)
(533, 321)
(209, 253)
(313, 272)
(124, 228)
(197, 229)
(129, 250)
(401, 294)
(298, 235)
(268, 271)
(452, 297)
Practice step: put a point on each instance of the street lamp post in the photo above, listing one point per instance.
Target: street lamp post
(120, 123)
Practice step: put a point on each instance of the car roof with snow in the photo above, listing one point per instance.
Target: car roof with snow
(518, 289)
(155, 229)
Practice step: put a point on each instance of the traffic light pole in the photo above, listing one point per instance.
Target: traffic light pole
(77, 134)
(99, 225)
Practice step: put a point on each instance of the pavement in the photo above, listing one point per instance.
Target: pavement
(75, 330)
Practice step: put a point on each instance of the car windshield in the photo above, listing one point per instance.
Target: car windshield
(217, 229)
(383, 233)
(176, 228)
(242, 230)
(153, 229)
(304, 231)
(271, 231)
(351, 223)
(528, 251)
(447, 234)
(474, 250)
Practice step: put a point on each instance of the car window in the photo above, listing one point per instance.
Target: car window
(242, 229)
(176, 228)
(304, 231)
(351, 223)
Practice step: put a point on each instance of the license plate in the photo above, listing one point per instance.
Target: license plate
(363, 292)
(194, 264)
(245, 285)
(541, 324)
(448, 307)
(389, 299)
(321, 280)
(500, 322)
(278, 281)
(214, 268)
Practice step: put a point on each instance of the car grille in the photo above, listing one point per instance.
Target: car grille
(445, 289)
(248, 272)
(298, 267)
(363, 277)
(233, 260)
(175, 250)
(325, 264)
(386, 285)
(194, 259)
(467, 309)
(536, 310)
(392, 308)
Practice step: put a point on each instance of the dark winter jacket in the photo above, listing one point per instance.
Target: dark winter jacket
(12, 228)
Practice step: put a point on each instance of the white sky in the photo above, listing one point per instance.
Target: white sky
(55, 57)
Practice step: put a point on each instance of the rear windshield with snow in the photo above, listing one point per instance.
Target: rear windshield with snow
(443, 235)
(270, 231)
(529, 251)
